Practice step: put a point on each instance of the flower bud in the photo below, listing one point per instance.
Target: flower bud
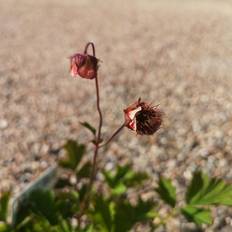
(143, 118)
(83, 65)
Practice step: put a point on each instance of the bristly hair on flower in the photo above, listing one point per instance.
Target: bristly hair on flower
(143, 118)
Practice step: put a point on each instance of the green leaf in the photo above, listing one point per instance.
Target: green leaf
(74, 154)
(109, 178)
(89, 127)
(101, 214)
(4, 227)
(64, 226)
(116, 177)
(67, 203)
(24, 223)
(197, 215)
(194, 187)
(83, 191)
(4, 200)
(88, 228)
(124, 175)
(85, 170)
(40, 204)
(62, 182)
(128, 215)
(167, 191)
(41, 224)
(133, 179)
(208, 191)
(119, 189)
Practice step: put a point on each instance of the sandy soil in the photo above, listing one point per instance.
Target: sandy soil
(176, 54)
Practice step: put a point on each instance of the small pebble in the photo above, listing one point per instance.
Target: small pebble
(3, 124)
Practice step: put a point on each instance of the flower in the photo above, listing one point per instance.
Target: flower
(83, 65)
(143, 118)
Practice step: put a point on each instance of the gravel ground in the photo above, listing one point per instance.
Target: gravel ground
(176, 54)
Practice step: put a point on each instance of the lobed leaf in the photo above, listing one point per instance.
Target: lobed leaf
(167, 191)
(119, 189)
(84, 171)
(67, 203)
(89, 127)
(122, 178)
(101, 214)
(4, 227)
(4, 201)
(40, 203)
(133, 179)
(128, 215)
(208, 191)
(197, 215)
(74, 154)
(63, 182)
(41, 224)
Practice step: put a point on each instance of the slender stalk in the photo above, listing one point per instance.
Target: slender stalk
(113, 135)
(99, 111)
(97, 141)
(87, 46)
(98, 138)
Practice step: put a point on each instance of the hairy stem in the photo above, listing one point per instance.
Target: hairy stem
(98, 138)
(97, 141)
(87, 46)
(113, 135)
(99, 112)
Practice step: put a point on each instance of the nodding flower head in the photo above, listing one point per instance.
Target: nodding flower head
(83, 65)
(143, 118)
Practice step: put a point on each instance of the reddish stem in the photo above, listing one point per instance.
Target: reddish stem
(113, 135)
(97, 140)
(99, 111)
(87, 46)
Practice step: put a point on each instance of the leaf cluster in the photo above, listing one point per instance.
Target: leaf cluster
(55, 210)
(202, 193)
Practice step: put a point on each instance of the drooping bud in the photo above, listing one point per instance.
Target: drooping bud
(83, 65)
(143, 118)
